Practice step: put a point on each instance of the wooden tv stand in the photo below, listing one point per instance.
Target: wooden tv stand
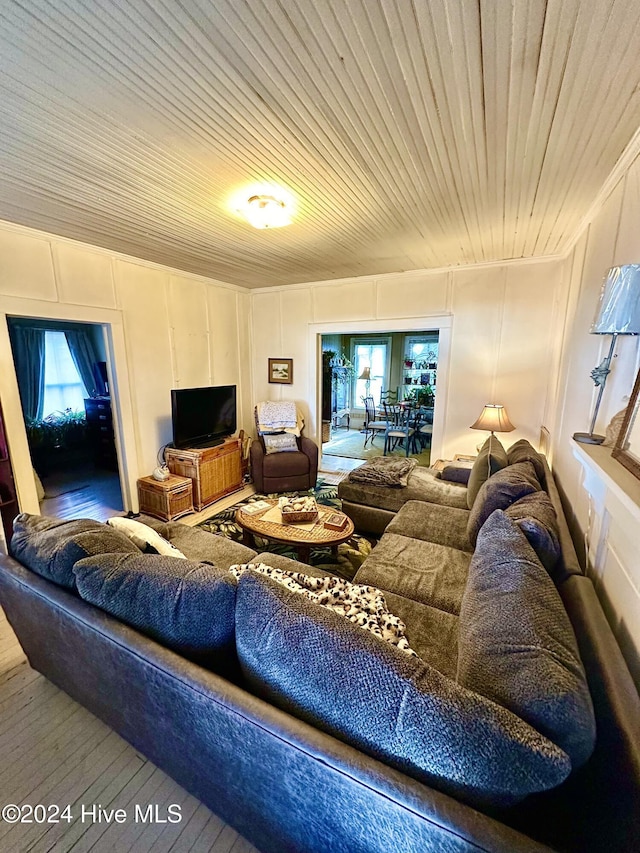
(214, 471)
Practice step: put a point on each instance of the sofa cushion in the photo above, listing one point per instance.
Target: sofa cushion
(187, 606)
(422, 485)
(499, 492)
(51, 546)
(145, 538)
(341, 679)
(423, 571)
(523, 451)
(491, 459)
(431, 633)
(516, 644)
(290, 464)
(455, 473)
(280, 443)
(535, 516)
(361, 604)
(444, 525)
(198, 544)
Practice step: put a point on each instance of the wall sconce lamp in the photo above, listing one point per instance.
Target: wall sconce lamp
(618, 314)
(493, 418)
(366, 375)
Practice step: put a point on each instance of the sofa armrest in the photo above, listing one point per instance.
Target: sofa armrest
(310, 450)
(256, 454)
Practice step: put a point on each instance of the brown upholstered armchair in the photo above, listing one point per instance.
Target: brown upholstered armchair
(290, 471)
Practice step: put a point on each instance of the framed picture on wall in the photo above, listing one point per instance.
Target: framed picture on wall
(281, 370)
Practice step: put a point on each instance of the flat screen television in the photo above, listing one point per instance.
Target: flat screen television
(203, 417)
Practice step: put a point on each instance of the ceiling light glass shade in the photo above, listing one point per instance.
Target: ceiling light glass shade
(266, 211)
(618, 310)
(493, 418)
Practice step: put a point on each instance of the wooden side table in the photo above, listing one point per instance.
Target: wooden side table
(167, 499)
(214, 471)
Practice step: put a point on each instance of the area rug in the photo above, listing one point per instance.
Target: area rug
(332, 478)
(351, 554)
(350, 445)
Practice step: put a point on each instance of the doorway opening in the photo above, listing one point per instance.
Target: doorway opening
(386, 378)
(61, 367)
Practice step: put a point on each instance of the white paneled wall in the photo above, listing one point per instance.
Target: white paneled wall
(611, 238)
(167, 330)
(503, 327)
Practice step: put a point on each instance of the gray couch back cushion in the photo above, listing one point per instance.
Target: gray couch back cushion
(523, 451)
(187, 606)
(516, 645)
(536, 517)
(499, 492)
(491, 459)
(51, 546)
(322, 668)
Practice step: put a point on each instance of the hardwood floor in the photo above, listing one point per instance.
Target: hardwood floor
(84, 492)
(55, 752)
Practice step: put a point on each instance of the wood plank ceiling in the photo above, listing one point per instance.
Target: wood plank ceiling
(412, 133)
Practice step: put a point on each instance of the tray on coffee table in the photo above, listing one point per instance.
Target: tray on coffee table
(302, 537)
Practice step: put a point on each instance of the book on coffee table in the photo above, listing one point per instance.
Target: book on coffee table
(336, 521)
(255, 506)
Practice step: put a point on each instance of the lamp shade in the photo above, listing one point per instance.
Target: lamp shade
(493, 418)
(366, 373)
(618, 310)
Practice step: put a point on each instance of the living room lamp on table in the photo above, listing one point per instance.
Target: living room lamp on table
(493, 418)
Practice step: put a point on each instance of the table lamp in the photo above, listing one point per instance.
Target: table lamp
(618, 314)
(493, 418)
(366, 375)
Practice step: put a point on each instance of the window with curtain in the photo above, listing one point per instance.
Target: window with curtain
(63, 387)
(374, 354)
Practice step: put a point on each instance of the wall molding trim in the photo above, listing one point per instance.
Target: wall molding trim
(51, 238)
(617, 174)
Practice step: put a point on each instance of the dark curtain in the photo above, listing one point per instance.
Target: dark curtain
(28, 355)
(85, 358)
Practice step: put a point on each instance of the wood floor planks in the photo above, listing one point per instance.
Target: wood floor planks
(55, 752)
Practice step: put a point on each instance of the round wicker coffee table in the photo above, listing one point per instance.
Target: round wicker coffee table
(303, 539)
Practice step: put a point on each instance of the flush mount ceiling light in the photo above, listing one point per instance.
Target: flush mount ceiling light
(266, 211)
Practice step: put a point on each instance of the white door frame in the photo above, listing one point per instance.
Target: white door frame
(442, 323)
(111, 322)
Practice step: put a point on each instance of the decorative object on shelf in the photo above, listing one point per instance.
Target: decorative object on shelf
(281, 371)
(423, 395)
(613, 429)
(161, 473)
(493, 418)
(627, 447)
(618, 314)
(366, 375)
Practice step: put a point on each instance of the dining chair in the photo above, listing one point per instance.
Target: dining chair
(372, 426)
(423, 426)
(391, 411)
(400, 429)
